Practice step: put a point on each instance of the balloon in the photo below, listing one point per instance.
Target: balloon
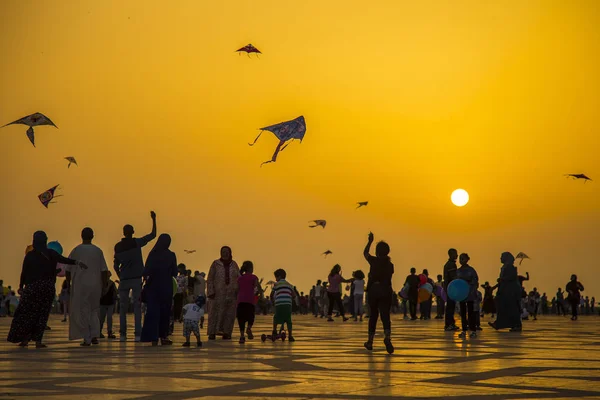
(423, 279)
(444, 296)
(55, 246)
(28, 249)
(404, 293)
(438, 290)
(423, 295)
(428, 287)
(458, 290)
(174, 287)
(62, 268)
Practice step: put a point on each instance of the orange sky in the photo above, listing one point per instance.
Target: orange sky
(404, 102)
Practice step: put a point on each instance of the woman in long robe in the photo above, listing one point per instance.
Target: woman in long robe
(222, 292)
(160, 269)
(508, 299)
(37, 289)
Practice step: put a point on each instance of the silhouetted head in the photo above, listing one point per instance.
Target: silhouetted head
(226, 253)
(573, 278)
(247, 268)
(359, 274)
(280, 274)
(559, 289)
(182, 269)
(452, 254)
(189, 272)
(319, 282)
(335, 270)
(200, 301)
(40, 240)
(162, 243)
(439, 278)
(464, 259)
(87, 234)
(426, 273)
(507, 258)
(128, 231)
(382, 249)
(413, 271)
(486, 283)
(535, 289)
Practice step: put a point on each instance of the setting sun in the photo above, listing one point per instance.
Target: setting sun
(460, 197)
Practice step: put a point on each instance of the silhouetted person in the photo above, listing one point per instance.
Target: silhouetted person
(427, 304)
(573, 288)
(467, 311)
(412, 281)
(560, 303)
(450, 269)
(380, 291)
(129, 266)
(508, 299)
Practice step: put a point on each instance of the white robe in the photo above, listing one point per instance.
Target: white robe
(86, 291)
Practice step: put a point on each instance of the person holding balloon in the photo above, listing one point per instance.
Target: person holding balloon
(450, 269)
(412, 283)
(467, 295)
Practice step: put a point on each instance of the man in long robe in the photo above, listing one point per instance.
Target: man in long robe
(86, 290)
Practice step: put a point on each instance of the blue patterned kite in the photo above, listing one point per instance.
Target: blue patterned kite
(47, 197)
(285, 131)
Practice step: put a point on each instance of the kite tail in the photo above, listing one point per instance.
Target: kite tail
(277, 150)
(252, 144)
(286, 145)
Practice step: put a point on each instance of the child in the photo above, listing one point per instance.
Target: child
(192, 313)
(283, 295)
(359, 291)
(107, 307)
(13, 302)
(248, 285)
(467, 314)
(64, 299)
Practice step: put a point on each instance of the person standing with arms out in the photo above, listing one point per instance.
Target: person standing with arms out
(86, 290)
(129, 266)
(560, 303)
(412, 281)
(450, 270)
(334, 292)
(573, 288)
(467, 309)
(380, 291)
(107, 307)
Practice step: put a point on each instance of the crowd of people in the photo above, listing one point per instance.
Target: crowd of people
(160, 293)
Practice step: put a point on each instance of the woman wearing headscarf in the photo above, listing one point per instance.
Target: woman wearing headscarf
(222, 293)
(159, 271)
(37, 289)
(508, 299)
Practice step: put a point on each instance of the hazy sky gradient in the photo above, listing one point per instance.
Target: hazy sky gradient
(404, 102)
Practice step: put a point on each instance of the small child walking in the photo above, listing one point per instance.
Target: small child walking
(64, 299)
(107, 307)
(248, 287)
(192, 313)
(359, 291)
(283, 296)
(477, 311)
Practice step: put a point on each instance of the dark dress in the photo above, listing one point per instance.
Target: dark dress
(161, 268)
(379, 290)
(489, 305)
(38, 280)
(508, 299)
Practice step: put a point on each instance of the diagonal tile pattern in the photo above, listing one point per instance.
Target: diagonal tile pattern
(552, 359)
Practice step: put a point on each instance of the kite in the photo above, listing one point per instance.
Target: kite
(328, 252)
(362, 204)
(521, 256)
(47, 197)
(318, 222)
(190, 251)
(579, 176)
(285, 131)
(31, 121)
(71, 160)
(248, 49)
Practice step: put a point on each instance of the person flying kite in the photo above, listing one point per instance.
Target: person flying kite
(71, 160)
(318, 222)
(285, 132)
(579, 176)
(47, 197)
(248, 49)
(32, 120)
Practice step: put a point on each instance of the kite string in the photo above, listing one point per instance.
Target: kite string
(252, 144)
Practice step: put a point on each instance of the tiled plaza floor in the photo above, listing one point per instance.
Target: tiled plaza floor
(552, 358)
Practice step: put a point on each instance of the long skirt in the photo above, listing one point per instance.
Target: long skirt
(489, 305)
(156, 321)
(508, 306)
(32, 314)
(222, 315)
